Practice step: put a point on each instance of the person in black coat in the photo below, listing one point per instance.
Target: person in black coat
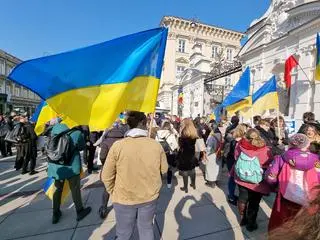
(26, 146)
(186, 156)
(269, 138)
(4, 129)
(308, 118)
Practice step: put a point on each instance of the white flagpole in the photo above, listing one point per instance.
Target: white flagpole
(278, 121)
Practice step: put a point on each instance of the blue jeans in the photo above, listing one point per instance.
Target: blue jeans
(128, 215)
(231, 187)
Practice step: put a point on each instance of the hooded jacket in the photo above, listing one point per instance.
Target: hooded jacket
(296, 159)
(132, 173)
(264, 156)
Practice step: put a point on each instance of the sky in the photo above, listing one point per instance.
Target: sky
(34, 28)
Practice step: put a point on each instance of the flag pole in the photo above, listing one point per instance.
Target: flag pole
(305, 73)
(278, 121)
(151, 125)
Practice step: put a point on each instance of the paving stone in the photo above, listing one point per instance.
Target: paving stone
(61, 235)
(34, 223)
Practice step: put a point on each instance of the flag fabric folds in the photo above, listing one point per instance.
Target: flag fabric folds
(290, 64)
(43, 114)
(239, 97)
(92, 85)
(266, 97)
(317, 73)
(49, 188)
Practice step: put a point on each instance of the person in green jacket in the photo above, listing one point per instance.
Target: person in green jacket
(71, 173)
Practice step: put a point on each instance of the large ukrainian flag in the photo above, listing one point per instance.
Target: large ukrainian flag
(92, 85)
(239, 98)
(317, 73)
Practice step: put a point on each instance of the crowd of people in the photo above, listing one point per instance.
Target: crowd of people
(260, 158)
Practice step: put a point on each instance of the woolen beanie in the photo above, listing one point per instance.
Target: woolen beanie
(299, 140)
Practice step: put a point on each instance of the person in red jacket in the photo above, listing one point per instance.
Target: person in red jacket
(250, 194)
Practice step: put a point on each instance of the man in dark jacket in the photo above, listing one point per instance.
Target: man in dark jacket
(269, 137)
(26, 146)
(109, 137)
(308, 118)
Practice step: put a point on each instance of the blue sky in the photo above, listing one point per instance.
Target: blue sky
(33, 28)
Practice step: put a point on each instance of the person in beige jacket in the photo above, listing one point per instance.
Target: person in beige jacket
(132, 177)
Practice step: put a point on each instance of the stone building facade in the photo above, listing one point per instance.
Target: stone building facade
(14, 97)
(195, 50)
(289, 27)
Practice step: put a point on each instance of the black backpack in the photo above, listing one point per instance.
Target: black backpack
(60, 148)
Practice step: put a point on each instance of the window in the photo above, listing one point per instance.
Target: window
(2, 67)
(229, 54)
(182, 46)
(31, 94)
(9, 69)
(25, 95)
(17, 91)
(227, 81)
(214, 51)
(8, 89)
(180, 69)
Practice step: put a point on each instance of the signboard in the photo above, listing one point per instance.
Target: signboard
(291, 126)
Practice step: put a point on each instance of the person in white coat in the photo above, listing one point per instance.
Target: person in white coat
(212, 160)
(166, 136)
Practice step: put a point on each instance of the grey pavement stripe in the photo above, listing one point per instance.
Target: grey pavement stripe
(39, 234)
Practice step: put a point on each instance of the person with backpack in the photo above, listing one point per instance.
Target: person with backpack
(166, 137)
(213, 158)
(252, 158)
(108, 138)
(296, 173)
(64, 164)
(132, 176)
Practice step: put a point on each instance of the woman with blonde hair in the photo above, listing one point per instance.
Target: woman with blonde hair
(237, 134)
(252, 158)
(186, 155)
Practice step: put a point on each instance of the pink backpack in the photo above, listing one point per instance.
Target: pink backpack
(297, 186)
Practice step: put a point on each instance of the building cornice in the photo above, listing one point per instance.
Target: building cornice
(191, 26)
(10, 57)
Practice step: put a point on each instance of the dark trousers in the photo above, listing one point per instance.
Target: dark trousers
(186, 174)
(74, 184)
(169, 176)
(252, 199)
(9, 148)
(3, 148)
(128, 215)
(90, 154)
(231, 187)
(24, 156)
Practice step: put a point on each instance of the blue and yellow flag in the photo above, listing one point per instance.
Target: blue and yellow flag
(317, 72)
(43, 114)
(266, 98)
(239, 98)
(92, 85)
(49, 188)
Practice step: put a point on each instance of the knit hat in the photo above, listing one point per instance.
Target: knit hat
(299, 140)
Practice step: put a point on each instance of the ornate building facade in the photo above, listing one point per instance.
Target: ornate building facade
(289, 27)
(195, 50)
(14, 97)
